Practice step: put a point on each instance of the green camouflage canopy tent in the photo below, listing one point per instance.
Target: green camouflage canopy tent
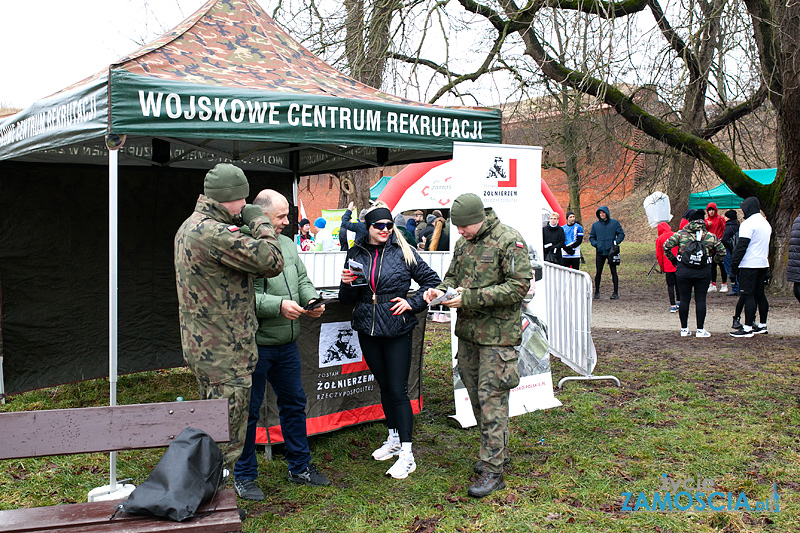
(225, 85)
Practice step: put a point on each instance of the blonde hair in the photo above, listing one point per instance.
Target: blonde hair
(408, 253)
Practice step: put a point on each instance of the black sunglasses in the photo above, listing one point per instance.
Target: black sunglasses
(383, 225)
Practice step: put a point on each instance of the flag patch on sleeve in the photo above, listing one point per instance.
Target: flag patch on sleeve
(233, 228)
(520, 245)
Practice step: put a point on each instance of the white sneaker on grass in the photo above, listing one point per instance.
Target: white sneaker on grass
(712, 287)
(702, 333)
(389, 449)
(685, 332)
(723, 287)
(403, 466)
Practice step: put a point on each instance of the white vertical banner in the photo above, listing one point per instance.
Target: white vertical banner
(508, 179)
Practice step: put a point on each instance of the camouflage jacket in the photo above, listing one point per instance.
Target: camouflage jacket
(495, 272)
(214, 268)
(714, 247)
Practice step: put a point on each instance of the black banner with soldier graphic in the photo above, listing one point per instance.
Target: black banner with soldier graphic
(340, 389)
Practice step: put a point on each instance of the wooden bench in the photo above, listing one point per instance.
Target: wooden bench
(106, 429)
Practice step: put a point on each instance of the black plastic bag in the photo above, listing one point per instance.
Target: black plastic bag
(187, 476)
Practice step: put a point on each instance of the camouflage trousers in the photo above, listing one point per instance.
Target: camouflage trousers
(238, 396)
(489, 373)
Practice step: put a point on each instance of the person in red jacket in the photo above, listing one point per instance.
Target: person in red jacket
(716, 225)
(664, 233)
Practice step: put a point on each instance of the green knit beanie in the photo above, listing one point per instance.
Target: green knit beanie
(467, 209)
(226, 183)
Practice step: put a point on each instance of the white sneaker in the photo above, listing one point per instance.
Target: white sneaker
(712, 287)
(389, 449)
(685, 333)
(702, 333)
(723, 287)
(403, 466)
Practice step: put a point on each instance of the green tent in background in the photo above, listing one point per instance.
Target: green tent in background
(377, 189)
(724, 197)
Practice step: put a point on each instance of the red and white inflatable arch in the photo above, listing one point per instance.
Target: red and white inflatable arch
(428, 186)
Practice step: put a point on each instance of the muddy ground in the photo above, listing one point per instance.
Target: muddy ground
(643, 308)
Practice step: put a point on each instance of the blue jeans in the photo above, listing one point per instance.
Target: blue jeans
(280, 365)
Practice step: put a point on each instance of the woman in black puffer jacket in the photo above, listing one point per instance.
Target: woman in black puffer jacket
(384, 317)
(793, 269)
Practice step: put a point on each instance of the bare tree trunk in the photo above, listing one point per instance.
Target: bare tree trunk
(677, 188)
(788, 139)
(358, 181)
(571, 159)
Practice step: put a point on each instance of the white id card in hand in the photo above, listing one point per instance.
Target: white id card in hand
(449, 294)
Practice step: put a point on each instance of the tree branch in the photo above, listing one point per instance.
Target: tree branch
(634, 114)
(498, 43)
(768, 47)
(674, 40)
(605, 10)
(732, 114)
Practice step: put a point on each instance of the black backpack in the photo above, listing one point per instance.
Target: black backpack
(188, 475)
(694, 254)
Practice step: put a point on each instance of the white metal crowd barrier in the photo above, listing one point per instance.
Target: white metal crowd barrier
(569, 305)
(569, 320)
(325, 268)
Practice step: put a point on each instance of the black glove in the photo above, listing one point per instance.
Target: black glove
(569, 249)
(250, 212)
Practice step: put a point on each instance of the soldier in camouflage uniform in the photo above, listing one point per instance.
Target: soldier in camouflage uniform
(214, 266)
(491, 269)
(689, 278)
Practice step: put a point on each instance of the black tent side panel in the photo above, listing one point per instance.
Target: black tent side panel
(54, 268)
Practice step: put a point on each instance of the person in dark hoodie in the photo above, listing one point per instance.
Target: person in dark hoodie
(750, 264)
(553, 240)
(424, 239)
(793, 269)
(716, 225)
(693, 276)
(384, 317)
(729, 236)
(604, 234)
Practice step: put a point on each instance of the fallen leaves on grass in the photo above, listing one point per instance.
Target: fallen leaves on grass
(424, 525)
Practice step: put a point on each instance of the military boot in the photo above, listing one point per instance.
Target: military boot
(487, 484)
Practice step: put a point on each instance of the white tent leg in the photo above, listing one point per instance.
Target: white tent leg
(295, 195)
(112, 491)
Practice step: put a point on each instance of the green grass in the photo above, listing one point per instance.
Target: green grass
(727, 413)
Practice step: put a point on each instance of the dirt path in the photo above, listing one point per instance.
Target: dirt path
(651, 312)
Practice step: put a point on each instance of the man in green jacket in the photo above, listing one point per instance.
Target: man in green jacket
(279, 303)
(492, 273)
